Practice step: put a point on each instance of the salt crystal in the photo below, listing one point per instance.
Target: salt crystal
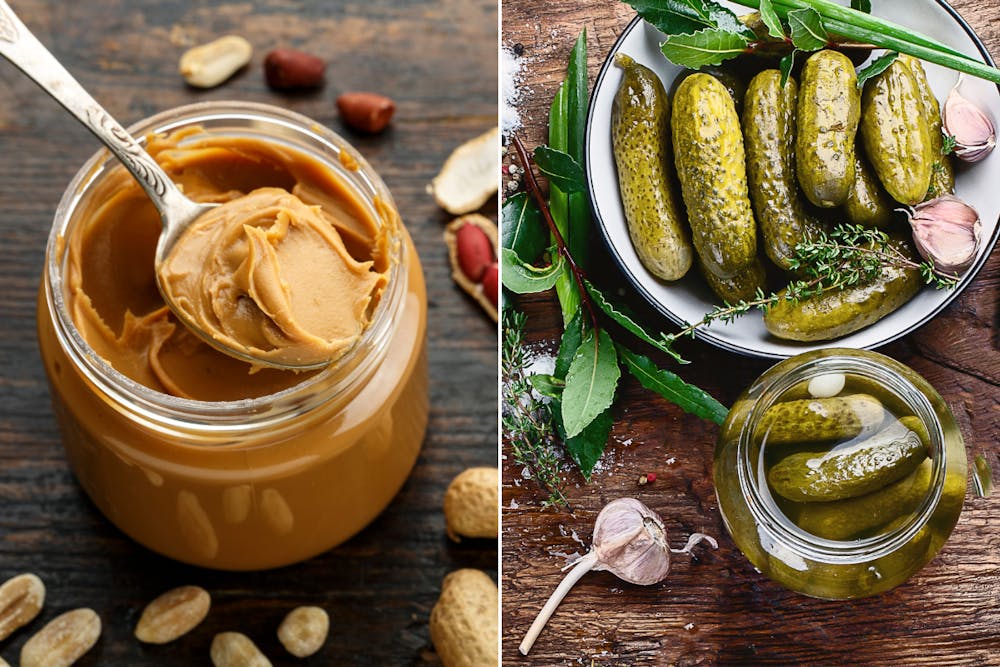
(512, 77)
(689, 626)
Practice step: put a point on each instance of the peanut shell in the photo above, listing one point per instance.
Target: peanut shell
(476, 291)
(472, 504)
(470, 175)
(463, 623)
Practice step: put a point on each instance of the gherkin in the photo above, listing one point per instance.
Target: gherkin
(829, 108)
(711, 168)
(769, 136)
(896, 135)
(641, 145)
(942, 170)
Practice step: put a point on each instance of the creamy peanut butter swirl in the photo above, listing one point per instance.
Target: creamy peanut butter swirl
(269, 276)
(291, 267)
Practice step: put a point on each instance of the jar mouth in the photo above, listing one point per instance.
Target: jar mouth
(274, 125)
(779, 536)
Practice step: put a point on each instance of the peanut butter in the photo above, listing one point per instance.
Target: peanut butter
(269, 276)
(289, 269)
(313, 457)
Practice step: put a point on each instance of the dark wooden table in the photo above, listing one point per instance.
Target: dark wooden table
(438, 61)
(716, 610)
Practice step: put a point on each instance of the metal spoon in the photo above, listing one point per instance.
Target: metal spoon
(177, 212)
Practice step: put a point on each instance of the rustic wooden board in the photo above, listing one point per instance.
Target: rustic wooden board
(715, 609)
(379, 587)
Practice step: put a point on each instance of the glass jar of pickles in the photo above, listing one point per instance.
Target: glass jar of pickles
(840, 473)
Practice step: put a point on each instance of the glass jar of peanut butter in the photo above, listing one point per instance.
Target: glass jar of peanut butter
(840, 473)
(199, 456)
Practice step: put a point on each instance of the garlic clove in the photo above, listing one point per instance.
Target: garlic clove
(971, 128)
(631, 542)
(947, 233)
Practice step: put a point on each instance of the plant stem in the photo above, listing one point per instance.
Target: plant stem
(863, 27)
(536, 192)
(580, 568)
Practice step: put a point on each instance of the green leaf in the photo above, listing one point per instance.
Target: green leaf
(578, 225)
(561, 169)
(689, 398)
(590, 382)
(569, 298)
(522, 278)
(707, 47)
(786, 65)
(568, 345)
(771, 20)
(576, 98)
(661, 343)
(547, 385)
(807, 29)
(862, 6)
(948, 143)
(588, 447)
(876, 67)
(679, 17)
(523, 228)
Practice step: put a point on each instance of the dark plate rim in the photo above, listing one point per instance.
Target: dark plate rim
(706, 334)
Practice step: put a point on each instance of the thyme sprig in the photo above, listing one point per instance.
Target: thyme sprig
(527, 421)
(846, 256)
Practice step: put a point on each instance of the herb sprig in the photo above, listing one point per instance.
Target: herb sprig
(527, 423)
(847, 255)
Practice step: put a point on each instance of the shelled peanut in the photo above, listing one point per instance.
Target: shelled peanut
(472, 242)
(173, 614)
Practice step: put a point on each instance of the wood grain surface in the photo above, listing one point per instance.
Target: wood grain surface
(438, 61)
(715, 609)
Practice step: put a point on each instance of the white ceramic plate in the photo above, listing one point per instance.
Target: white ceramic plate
(687, 300)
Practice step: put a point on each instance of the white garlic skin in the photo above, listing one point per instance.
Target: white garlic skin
(971, 128)
(827, 385)
(947, 233)
(630, 541)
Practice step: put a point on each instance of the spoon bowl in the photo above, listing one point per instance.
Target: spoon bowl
(177, 211)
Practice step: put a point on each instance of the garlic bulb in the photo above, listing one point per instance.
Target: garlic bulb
(630, 542)
(946, 232)
(968, 125)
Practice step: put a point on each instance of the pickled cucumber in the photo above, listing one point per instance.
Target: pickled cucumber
(708, 154)
(867, 204)
(942, 170)
(846, 519)
(820, 419)
(895, 133)
(733, 82)
(769, 136)
(851, 471)
(641, 144)
(741, 287)
(839, 312)
(827, 121)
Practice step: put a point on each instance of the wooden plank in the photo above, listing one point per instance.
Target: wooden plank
(380, 586)
(716, 609)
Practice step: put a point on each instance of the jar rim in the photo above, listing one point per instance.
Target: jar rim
(291, 129)
(794, 542)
